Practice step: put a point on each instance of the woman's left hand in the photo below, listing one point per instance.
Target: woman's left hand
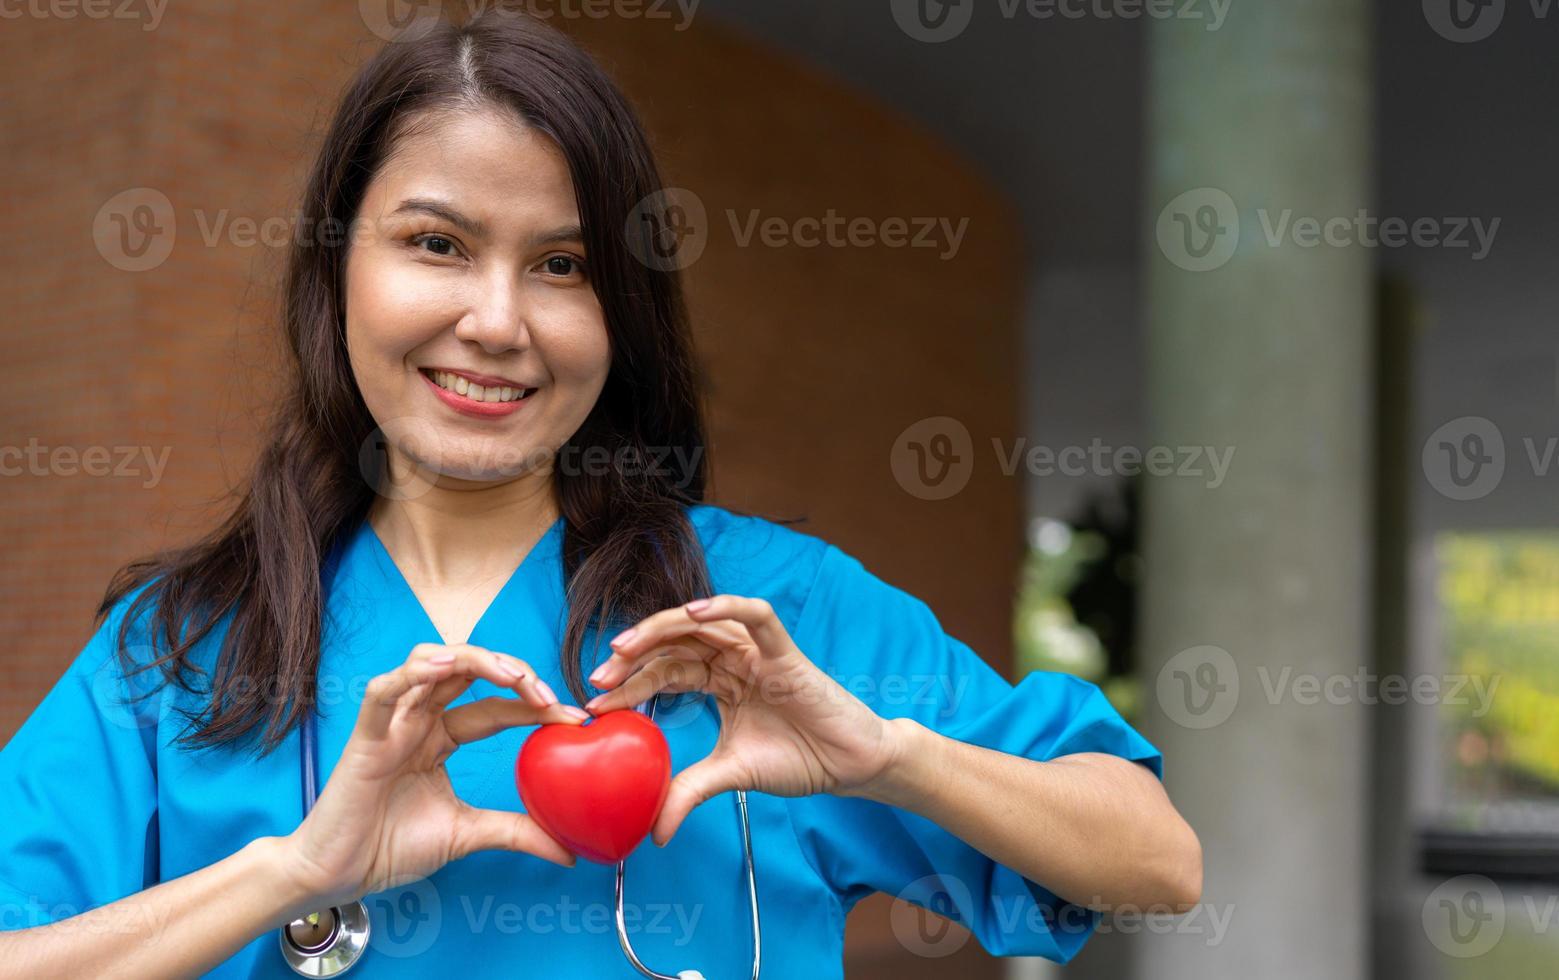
(786, 727)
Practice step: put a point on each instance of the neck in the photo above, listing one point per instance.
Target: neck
(457, 532)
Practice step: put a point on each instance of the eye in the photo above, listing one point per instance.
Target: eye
(439, 245)
(564, 265)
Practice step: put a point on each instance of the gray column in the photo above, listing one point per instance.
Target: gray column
(1258, 587)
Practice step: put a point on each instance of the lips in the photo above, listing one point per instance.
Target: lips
(470, 399)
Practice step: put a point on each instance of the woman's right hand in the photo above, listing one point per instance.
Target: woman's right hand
(388, 814)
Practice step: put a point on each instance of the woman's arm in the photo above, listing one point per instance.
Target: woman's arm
(1095, 829)
(178, 928)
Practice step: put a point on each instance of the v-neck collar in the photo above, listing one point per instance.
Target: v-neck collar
(373, 618)
(548, 546)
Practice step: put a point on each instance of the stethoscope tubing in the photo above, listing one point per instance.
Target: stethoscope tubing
(752, 892)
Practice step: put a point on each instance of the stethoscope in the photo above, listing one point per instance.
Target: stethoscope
(752, 894)
(330, 942)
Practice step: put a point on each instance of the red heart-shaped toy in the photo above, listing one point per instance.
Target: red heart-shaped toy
(598, 787)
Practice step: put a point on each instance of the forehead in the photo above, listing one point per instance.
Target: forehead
(485, 161)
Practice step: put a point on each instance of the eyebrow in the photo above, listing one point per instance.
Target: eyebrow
(477, 228)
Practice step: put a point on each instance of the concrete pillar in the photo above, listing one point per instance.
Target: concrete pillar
(1258, 587)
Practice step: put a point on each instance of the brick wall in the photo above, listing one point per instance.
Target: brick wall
(819, 357)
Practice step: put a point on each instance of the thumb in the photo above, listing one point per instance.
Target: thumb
(483, 830)
(693, 785)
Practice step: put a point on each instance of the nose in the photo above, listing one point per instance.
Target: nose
(496, 314)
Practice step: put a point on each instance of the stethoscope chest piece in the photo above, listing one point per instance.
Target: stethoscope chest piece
(327, 943)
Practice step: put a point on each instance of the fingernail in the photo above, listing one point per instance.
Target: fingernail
(442, 658)
(697, 605)
(625, 637)
(545, 692)
(591, 704)
(598, 675)
(574, 712)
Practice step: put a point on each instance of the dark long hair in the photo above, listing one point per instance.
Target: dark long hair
(629, 549)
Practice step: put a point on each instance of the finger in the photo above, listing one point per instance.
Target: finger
(752, 612)
(498, 668)
(489, 716)
(668, 672)
(708, 777)
(500, 830)
(663, 628)
(384, 693)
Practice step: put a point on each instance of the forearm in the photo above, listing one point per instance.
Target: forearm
(1096, 830)
(178, 928)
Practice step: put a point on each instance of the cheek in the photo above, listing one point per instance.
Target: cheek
(577, 350)
(389, 313)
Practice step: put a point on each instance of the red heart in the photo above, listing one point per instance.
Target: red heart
(597, 787)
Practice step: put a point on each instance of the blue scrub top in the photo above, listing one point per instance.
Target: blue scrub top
(99, 804)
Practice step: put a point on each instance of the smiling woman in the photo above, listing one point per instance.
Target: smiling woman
(420, 510)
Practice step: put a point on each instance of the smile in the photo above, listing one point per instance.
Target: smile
(460, 385)
(471, 398)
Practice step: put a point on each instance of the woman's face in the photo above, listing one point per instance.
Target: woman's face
(471, 325)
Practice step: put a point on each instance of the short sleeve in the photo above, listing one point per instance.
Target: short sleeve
(888, 648)
(79, 783)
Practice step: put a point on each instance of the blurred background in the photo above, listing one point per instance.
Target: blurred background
(1198, 347)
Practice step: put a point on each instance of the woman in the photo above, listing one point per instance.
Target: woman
(491, 457)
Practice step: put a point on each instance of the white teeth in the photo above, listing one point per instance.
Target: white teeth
(476, 392)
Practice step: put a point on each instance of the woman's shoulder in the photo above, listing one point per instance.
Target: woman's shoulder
(752, 555)
(130, 628)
